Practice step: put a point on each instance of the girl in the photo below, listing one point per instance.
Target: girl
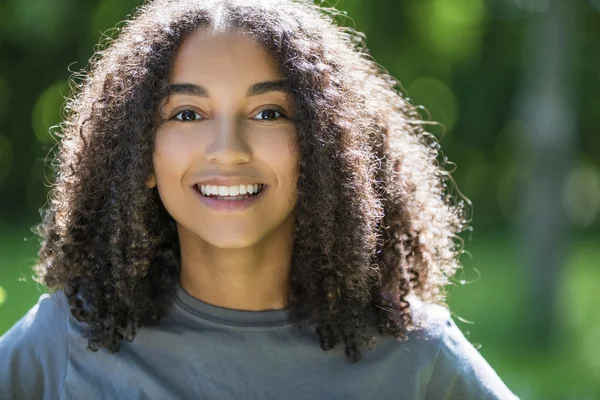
(244, 207)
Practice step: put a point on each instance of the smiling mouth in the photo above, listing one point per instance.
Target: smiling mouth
(230, 197)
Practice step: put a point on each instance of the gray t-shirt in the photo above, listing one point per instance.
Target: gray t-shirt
(202, 351)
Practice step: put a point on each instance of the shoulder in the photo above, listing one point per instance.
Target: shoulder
(36, 350)
(458, 370)
(47, 319)
(431, 320)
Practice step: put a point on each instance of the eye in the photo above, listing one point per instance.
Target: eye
(187, 115)
(269, 115)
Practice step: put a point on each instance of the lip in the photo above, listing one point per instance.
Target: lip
(229, 205)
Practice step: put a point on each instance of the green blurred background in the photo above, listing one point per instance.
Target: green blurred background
(514, 85)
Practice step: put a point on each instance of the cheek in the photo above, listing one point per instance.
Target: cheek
(284, 161)
(293, 160)
(171, 155)
(280, 153)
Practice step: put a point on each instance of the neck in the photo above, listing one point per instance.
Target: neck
(253, 278)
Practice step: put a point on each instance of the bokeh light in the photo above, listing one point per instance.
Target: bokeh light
(47, 110)
(437, 98)
(2, 295)
(451, 27)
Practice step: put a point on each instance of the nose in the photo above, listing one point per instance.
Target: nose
(229, 145)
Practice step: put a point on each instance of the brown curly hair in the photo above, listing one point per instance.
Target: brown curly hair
(374, 219)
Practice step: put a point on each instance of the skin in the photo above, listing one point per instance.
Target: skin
(242, 259)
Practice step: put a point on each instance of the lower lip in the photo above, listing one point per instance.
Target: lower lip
(230, 205)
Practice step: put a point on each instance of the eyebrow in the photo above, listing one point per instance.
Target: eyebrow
(254, 90)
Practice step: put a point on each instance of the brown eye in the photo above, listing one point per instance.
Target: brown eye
(187, 115)
(269, 115)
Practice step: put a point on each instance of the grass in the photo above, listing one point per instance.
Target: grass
(18, 292)
(570, 370)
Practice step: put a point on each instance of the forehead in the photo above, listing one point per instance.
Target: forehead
(211, 58)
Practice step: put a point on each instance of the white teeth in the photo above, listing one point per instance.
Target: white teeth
(232, 192)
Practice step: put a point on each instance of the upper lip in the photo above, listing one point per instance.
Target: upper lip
(228, 181)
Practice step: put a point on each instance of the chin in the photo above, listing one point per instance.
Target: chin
(230, 238)
(230, 243)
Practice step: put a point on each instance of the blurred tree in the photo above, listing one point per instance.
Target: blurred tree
(547, 105)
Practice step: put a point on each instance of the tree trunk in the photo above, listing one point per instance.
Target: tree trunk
(546, 105)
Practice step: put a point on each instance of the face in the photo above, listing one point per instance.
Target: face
(227, 122)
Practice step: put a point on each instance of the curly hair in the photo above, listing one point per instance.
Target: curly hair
(375, 221)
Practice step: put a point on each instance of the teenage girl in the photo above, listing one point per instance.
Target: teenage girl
(244, 207)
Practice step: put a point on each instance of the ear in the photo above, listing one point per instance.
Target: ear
(150, 182)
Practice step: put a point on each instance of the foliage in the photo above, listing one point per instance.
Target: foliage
(462, 60)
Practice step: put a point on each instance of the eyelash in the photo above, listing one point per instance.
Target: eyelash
(281, 115)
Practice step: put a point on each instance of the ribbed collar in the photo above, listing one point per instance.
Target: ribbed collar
(231, 316)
